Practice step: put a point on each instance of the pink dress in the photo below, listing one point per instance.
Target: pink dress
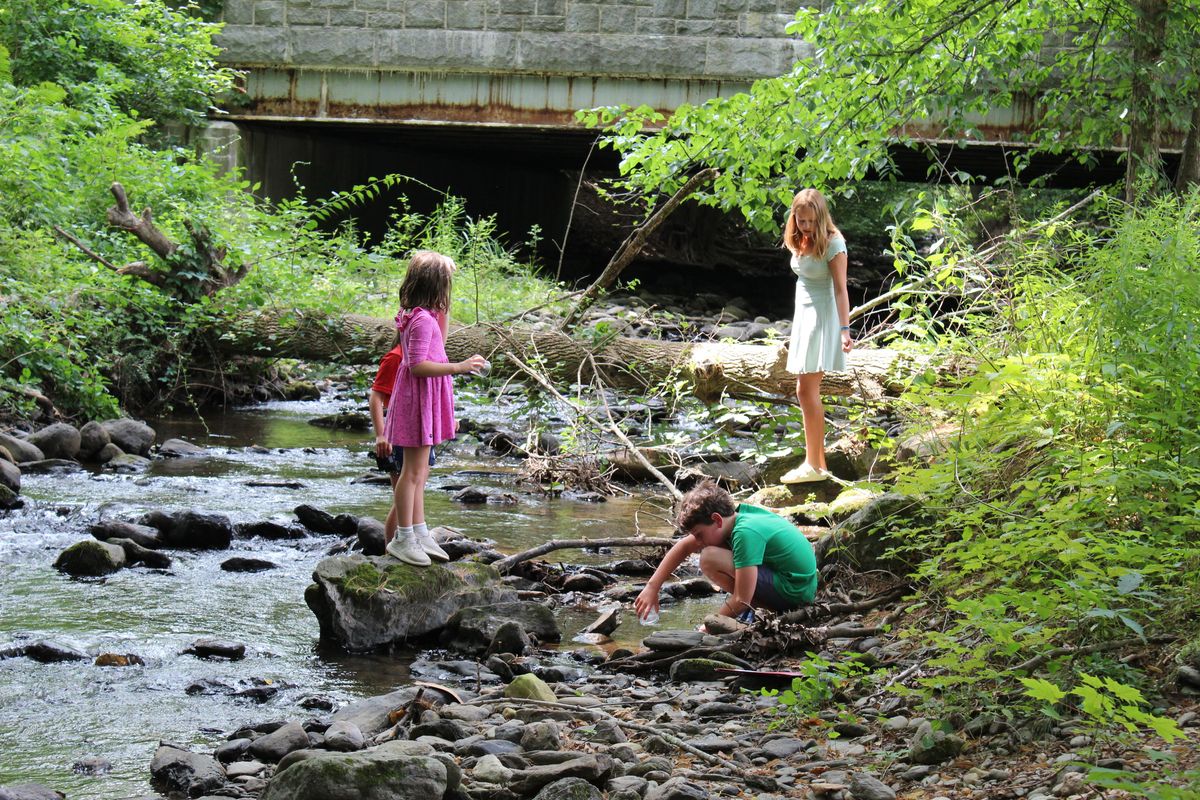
(420, 410)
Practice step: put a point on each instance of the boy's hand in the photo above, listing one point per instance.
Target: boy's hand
(646, 602)
(383, 448)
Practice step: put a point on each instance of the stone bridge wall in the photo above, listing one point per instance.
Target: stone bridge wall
(710, 40)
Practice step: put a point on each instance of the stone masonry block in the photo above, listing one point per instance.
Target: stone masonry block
(729, 9)
(451, 50)
(706, 27)
(671, 8)
(238, 12)
(348, 18)
(583, 18)
(331, 4)
(332, 47)
(307, 16)
(246, 45)
(371, 5)
(625, 55)
(748, 58)
(655, 26)
(426, 14)
(505, 22)
(551, 8)
(464, 15)
(545, 23)
(269, 13)
(619, 19)
(385, 20)
(528, 7)
(701, 9)
(768, 26)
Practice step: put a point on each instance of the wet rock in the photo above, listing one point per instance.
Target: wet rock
(178, 448)
(9, 499)
(92, 438)
(144, 535)
(547, 444)
(108, 453)
(49, 466)
(510, 637)
(677, 789)
(270, 529)
(320, 521)
(541, 736)
(45, 651)
(591, 768)
(244, 564)
(867, 787)
(234, 750)
(181, 770)
(930, 746)
(216, 649)
(583, 582)
(689, 670)
(364, 602)
(446, 729)
(21, 450)
(130, 435)
(345, 421)
(197, 530)
(90, 558)
(391, 771)
(470, 630)
(470, 496)
(29, 791)
(126, 463)
(136, 554)
(606, 623)
(277, 744)
(370, 533)
(10, 476)
(375, 714)
(59, 440)
(92, 765)
(529, 687)
(301, 390)
(569, 789)
(119, 660)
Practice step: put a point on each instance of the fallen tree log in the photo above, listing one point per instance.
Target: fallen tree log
(712, 369)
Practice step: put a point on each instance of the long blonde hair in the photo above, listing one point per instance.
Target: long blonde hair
(426, 284)
(794, 240)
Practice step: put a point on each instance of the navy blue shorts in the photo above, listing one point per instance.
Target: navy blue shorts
(767, 596)
(395, 462)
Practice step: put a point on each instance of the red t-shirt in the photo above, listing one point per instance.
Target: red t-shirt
(386, 376)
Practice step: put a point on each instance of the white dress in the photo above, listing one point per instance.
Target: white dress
(816, 343)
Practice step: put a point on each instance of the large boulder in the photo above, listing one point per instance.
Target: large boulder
(108, 529)
(391, 771)
(92, 439)
(863, 540)
(59, 440)
(130, 435)
(29, 791)
(471, 630)
(10, 476)
(20, 449)
(365, 602)
(180, 770)
(91, 558)
(277, 744)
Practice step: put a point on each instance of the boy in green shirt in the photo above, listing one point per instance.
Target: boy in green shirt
(757, 556)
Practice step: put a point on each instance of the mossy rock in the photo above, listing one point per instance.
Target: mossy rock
(775, 496)
(850, 501)
(530, 687)
(90, 558)
(688, 670)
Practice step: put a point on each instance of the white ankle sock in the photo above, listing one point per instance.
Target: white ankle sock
(421, 530)
(404, 533)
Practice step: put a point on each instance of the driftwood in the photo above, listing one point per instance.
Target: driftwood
(712, 369)
(176, 274)
(504, 565)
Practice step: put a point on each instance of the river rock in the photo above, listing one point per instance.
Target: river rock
(196, 530)
(542, 736)
(21, 450)
(109, 529)
(593, 768)
(178, 448)
(90, 558)
(490, 769)
(92, 438)
(690, 670)
(447, 729)
(606, 623)
(184, 771)
(10, 476)
(45, 651)
(92, 765)
(677, 788)
(119, 660)
(277, 744)
(29, 791)
(862, 540)
(387, 772)
(344, 737)
(59, 440)
(245, 564)
(270, 529)
(370, 536)
(136, 554)
(320, 521)
(602, 731)
(9, 499)
(125, 463)
(48, 466)
(107, 453)
(529, 687)
(471, 629)
(130, 435)
(569, 789)
(930, 746)
(365, 602)
(867, 787)
(375, 714)
(510, 637)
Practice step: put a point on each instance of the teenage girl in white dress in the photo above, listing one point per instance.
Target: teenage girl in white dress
(821, 328)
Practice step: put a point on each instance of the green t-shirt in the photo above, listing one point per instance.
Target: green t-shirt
(763, 538)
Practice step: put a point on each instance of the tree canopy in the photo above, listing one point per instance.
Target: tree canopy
(1081, 75)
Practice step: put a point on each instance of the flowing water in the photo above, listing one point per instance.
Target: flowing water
(51, 715)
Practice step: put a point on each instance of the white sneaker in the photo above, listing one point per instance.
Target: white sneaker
(431, 547)
(408, 550)
(805, 473)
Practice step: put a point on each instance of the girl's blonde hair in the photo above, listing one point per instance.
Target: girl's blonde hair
(793, 239)
(426, 283)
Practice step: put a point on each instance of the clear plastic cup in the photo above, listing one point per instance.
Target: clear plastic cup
(649, 619)
(485, 370)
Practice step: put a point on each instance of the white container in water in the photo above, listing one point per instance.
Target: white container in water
(649, 619)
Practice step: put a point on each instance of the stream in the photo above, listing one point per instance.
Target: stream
(52, 715)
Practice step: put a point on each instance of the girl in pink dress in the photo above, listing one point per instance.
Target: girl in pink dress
(421, 409)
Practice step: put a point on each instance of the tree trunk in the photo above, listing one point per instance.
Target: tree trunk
(1142, 157)
(1189, 164)
(711, 369)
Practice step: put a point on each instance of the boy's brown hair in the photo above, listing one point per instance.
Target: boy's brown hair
(698, 505)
